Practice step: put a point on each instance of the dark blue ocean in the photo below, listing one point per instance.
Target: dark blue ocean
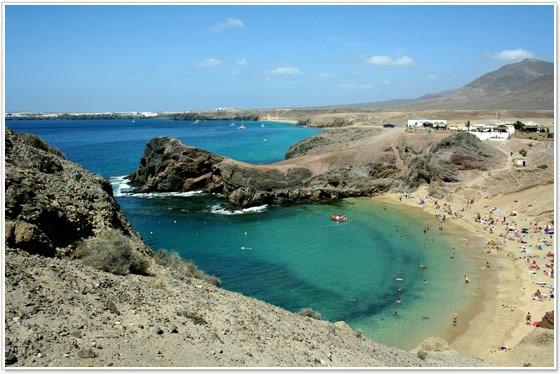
(300, 258)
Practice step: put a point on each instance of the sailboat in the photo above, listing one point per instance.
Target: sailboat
(241, 127)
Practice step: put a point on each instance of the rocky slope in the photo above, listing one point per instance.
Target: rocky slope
(52, 204)
(332, 165)
(60, 312)
(64, 314)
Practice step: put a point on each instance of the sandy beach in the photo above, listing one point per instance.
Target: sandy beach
(497, 318)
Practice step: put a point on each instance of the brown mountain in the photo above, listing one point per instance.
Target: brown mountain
(525, 85)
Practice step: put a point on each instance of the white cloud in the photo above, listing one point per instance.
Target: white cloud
(512, 55)
(405, 61)
(284, 70)
(241, 62)
(388, 61)
(325, 75)
(206, 63)
(230, 22)
(380, 60)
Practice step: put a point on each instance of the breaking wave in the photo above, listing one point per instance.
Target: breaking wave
(120, 185)
(122, 188)
(220, 209)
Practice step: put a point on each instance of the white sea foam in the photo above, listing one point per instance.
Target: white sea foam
(120, 185)
(159, 195)
(122, 188)
(219, 209)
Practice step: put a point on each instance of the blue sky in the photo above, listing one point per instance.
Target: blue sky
(197, 57)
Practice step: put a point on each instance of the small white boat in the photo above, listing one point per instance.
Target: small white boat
(132, 121)
(265, 140)
(241, 127)
(232, 124)
(262, 124)
(196, 122)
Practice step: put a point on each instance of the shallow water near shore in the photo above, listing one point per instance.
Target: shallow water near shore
(298, 257)
(294, 257)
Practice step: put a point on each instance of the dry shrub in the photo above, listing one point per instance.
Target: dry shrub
(36, 142)
(113, 252)
(183, 268)
(308, 312)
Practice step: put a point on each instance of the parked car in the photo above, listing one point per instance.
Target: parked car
(388, 125)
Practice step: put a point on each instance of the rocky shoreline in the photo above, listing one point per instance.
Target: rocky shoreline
(330, 166)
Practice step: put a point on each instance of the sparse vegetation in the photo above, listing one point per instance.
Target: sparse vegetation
(422, 355)
(530, 144)
(36, 142)
(359, 333)
(159, 284)
(550, 135)
(308, 312)
(113, 252)
(195, 318)
(523, 152)
(183, 268)
(543, 166)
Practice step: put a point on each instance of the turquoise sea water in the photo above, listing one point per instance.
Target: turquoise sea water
(294, 257)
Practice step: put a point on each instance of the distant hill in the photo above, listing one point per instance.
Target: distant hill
(525, 85)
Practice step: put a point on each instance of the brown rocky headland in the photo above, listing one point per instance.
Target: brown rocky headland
(335, 164)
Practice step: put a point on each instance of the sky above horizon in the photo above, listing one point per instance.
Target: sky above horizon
(98, 58)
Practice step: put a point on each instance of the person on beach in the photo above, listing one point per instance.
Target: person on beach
(528, 318)
(425, 281)
(455, 320)
(395, 313)
(400, 289)
(466, 279)
(399, 301)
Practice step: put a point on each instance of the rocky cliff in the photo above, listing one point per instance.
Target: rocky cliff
(332, 165)
(53, 204)
(250, 185)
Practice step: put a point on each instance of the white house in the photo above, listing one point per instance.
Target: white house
(412, 123)
(497, 131)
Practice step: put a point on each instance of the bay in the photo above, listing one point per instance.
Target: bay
(293, 257)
